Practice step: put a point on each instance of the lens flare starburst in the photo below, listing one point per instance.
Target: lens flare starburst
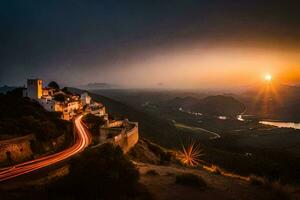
(190, 155)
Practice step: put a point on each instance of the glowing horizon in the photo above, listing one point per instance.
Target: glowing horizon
(212, 68)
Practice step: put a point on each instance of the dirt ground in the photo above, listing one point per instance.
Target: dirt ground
(163, 187)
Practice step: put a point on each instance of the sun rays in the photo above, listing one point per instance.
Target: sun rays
(190, 155)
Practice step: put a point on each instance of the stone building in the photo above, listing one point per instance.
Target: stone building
(122, 133)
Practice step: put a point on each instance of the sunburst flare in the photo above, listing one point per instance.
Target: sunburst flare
(190, 155)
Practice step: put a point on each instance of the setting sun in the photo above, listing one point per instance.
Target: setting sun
(268, 77)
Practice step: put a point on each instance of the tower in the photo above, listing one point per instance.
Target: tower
(86, 99)
(34, 88)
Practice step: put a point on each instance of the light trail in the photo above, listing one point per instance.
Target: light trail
(83, 139)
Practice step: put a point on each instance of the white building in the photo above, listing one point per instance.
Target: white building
(70, 109)
(96, 109)
(48, 104)
(48, 91)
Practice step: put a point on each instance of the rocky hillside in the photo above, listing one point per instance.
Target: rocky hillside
(21, 117)
(165, 178)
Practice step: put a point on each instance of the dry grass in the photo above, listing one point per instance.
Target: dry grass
(189, 179)
(152, 172)
(213, 169)
(217, 170)
(280, 190)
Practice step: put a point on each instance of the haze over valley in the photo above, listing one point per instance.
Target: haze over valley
(150, 100)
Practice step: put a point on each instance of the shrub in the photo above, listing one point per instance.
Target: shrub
(93, 122)
(152, 172)
(99, 173)
(279, 190)
(53, 85)
(190, 180)
(164, 155)
(60, 97)
(256, 180)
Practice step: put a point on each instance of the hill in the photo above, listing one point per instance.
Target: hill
(219, 105)
(183, 102)
(4, 89)
(277, 102)
(270, 154)
(20, 116)
(159, 130)
(161, 178)
(97, 86)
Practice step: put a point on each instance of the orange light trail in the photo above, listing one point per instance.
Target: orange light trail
(82, 141)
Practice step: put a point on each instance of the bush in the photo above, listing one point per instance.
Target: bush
(151, 172)
(256, 180)
(94, 123)
(60, 97)
(53, 85)
(164, 155)
(190, 180)
(103, 173)
(279, 190)
(21, 116)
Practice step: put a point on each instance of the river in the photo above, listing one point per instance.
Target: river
(275, 123)
(282, 124)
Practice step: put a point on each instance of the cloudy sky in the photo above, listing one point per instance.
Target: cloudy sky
(142, 44)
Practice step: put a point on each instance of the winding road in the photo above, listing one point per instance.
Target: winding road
(214, 135)
(83, 139)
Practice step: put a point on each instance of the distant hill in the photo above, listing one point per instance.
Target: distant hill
(278, 102)
(219, 105)
(158, 130)
(4, 89)
(211, 105)
(185, 102)
(97, 86)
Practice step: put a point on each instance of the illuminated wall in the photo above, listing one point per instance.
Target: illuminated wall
(16, 150)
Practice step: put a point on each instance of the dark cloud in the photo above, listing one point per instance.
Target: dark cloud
(57, 38)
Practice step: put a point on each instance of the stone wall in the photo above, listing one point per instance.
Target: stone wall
(127, 139)
(122, 137)
(132, 137)
(116, 123)
(16, 150)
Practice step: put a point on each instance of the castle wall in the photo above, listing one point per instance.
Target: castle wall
(127, 140)
(16, 150)
(116, 123)
(121, 137)
(131, 138)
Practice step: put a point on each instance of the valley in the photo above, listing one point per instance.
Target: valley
(244, 147)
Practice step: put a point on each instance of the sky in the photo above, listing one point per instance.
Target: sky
(150, 44)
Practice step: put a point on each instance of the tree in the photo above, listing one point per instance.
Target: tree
(60, 97)
(93, 122)
(98, 174)
(53, 85)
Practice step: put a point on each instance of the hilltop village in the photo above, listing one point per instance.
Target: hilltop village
(120, 132)
(68, 104)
